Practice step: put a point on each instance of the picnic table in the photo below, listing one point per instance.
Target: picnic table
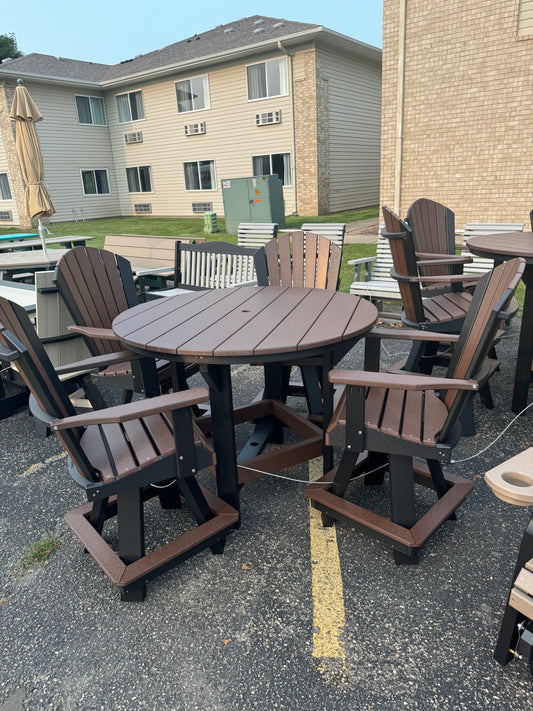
(27, 244)
(28, 261)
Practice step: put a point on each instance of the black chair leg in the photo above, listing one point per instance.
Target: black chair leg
(402, 485)
(508, 635)
(130, 518)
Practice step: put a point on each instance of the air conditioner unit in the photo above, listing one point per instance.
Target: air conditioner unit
(193, 129)
(136, 137)
(268, 117)
(143, 207)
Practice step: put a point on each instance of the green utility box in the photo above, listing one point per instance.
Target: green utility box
(210, 223)
(258, 199)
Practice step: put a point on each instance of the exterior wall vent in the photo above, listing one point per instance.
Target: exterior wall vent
(143, 207)
(6, 215)
(194, 129)
(135, 137)
(202, 207)
(268, 118)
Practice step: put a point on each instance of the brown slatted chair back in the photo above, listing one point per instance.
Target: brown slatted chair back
(21, 343)
(401, 242)
(96, 286)
(433, 227)
(306, 260)
(490, 302)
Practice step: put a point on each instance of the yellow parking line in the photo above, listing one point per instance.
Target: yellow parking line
(328, 599)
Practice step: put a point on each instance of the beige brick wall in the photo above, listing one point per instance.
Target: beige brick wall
(468, 111)
(306, 131)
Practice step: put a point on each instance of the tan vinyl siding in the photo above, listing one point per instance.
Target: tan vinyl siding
(525, 18)
(68, 147)
(231, 139)
(353, 132)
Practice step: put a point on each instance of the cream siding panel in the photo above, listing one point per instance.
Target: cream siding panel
(354, 93)
(7, 204)
(231, 139)
(68, 147)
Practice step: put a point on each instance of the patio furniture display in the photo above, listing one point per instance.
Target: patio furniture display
(515, 244)
(123, 456)
(270, 325)
(256, 234)
(299, 259)
(96, 286)
(512, 482)
(383, 421)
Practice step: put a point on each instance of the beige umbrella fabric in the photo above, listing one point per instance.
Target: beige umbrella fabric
(26, 114)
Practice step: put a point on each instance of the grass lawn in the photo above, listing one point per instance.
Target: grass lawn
(194, 226)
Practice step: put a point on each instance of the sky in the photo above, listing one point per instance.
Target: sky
(109, 31)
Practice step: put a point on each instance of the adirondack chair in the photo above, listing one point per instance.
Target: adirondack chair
(382, 421)
(256, 234)
(123, 456)
(96, 286)
(301, 259)
(433, 227)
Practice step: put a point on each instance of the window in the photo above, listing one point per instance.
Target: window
(200, 175)
(5, 190)
(95, 182)
(192, 94)
(525, 18)
(130, 107)
(273, 163)
(267, 79)
(91, 110)
(139, 179)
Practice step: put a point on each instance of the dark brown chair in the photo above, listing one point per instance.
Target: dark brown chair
(96, 286)
(433, 227)
(123, 456)
(384, 420)
(306, 260)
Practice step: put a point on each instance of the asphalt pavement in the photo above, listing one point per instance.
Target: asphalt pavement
(234, 632)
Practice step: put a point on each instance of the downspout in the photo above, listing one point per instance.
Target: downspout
(290, 55)
(400, 98)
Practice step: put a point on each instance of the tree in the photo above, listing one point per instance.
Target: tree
(8, 47)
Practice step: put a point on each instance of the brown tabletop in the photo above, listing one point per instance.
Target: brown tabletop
(501, 247)
(268, 325)
(245, 325)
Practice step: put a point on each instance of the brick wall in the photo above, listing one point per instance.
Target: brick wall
(306, 128)
(13, 167)
(468, 111)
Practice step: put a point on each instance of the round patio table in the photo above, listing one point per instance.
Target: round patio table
(501, 247)
(268, 325)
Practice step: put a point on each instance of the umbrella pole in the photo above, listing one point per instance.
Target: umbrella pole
(42, 233)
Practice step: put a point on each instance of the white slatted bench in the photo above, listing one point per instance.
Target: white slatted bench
(256, 234)
(334, 231)
(480, 265)
(377, 283)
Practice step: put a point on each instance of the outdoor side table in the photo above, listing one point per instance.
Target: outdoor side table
(500, 248)
(220, 327)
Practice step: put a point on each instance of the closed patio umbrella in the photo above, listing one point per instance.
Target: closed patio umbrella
(26, 114)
